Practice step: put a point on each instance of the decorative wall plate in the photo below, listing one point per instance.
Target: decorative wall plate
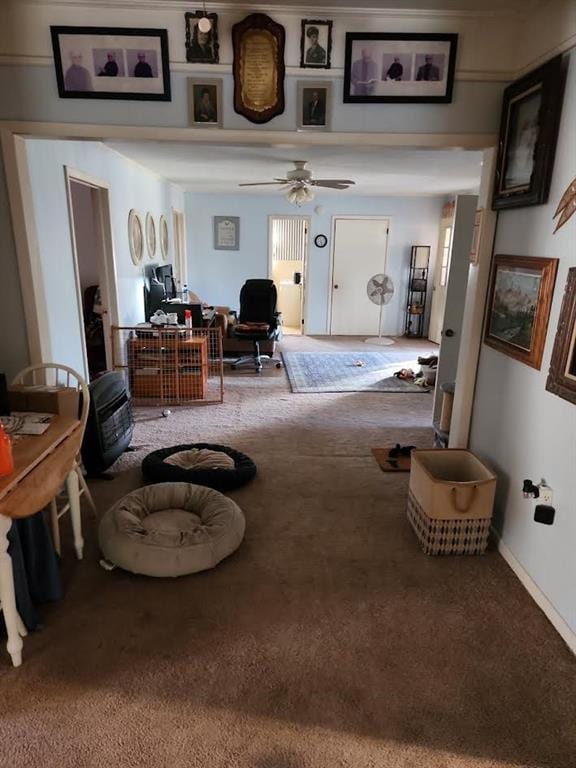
(150, 235)
(135, 237)
(163, 234)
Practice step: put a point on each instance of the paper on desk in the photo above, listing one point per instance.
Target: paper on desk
(32, 423)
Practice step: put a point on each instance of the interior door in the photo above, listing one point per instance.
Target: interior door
(440, 284)
(288, 242)
(359, 253)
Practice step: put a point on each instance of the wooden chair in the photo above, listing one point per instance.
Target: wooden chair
(53, 374)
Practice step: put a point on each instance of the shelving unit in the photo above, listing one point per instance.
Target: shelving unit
(417, 291)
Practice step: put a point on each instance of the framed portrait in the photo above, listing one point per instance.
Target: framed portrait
(226, 233)
(314, 105)
(528, 133)
(562, 374)
(111, 63)
(205, 102)
(201, 47)
(399, 68)
(135, 237)
(316, 44)
(519, 301)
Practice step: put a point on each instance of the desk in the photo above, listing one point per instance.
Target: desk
(41, 464)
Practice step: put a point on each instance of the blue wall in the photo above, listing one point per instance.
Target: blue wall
(217, 276)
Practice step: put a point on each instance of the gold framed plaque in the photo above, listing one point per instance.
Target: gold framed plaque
(258, 68)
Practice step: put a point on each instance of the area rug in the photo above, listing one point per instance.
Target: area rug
(348, 372)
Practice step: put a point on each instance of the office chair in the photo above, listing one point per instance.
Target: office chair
(258, 321)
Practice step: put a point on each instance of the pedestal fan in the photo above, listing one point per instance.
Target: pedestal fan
(380, 290)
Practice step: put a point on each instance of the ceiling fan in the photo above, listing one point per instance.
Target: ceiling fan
(299, 183)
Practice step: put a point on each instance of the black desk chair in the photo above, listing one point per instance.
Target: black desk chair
(258, 321)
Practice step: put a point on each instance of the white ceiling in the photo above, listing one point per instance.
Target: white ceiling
(376, 170)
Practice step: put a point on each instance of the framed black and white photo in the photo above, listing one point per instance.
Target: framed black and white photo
(202, 47)
(226, 233)
(399, 68)
(314, 104)
(111, 63)
(316, 44)
(205, 102)
(528, 134)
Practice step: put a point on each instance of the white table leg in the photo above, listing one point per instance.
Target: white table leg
(14, 624)
(72, 487)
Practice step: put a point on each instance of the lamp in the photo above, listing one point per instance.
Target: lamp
(299, 194)
(204, 25)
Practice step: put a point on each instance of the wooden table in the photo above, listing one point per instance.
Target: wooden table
(42, 463)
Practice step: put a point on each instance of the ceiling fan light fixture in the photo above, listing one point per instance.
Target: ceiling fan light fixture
(300, 194)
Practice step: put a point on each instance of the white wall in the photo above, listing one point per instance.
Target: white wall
(217, 276)
(523, 430)
(130, 187)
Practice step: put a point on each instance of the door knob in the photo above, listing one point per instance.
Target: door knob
(448, 332)
(336, 286)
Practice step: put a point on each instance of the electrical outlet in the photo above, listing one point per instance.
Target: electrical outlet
(546, 495)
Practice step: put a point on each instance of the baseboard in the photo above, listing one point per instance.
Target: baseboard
(538, 596)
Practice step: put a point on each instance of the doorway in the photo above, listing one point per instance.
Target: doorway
(288, 246)
(441, 273)
(89, 211)
(360, 249)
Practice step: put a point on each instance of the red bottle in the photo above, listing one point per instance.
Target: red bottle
(6, 460)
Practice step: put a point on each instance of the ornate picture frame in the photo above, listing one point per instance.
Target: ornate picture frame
(531, 112)
(258, 68)
(316, 44)
(399, 68)
(562, 374)
(518, 308)
(111, 63)
(201, 47)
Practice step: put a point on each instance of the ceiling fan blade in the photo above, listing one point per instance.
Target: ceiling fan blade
(261, 183)
(332, 181)
(331, 185)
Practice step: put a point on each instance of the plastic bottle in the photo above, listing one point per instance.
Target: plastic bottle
(6, 460)
(184, 293)
(188, 318)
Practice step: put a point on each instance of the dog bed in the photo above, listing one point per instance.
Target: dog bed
(177, 465)
(171, 529)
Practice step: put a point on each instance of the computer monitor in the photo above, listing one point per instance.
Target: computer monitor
(165, 275)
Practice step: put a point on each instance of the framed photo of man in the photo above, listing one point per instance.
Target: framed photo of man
(205, 102)
(316, 44)
(399, 68)
(314, 105)
(111, 63)
(202, 47)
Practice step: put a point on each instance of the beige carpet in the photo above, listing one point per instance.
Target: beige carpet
(327, 641)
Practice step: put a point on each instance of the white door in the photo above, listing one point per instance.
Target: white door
(359, 253)
(440, 284)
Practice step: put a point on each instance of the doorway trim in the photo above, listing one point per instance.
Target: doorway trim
(332, 249)
(305, 295)
(108, 288)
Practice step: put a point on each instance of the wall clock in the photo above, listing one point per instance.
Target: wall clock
(320, 241)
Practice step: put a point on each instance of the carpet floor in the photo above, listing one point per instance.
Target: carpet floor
(328, 640)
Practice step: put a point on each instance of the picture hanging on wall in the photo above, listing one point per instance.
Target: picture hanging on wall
(566, 207)
(150, 235)
(314, 103)
(562, 375)
(316, 44)
(111, 63)
(399, 68)
(521, 289)
(135, 237)
(205, 102)
(226, 233)
(528, 134)
(163, 236)
(202, 47)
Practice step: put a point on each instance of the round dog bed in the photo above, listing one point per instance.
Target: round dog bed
(171, 529)
(157, 469)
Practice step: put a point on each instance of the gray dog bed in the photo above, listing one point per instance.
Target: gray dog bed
(171, 529)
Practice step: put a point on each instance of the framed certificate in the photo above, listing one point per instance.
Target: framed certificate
(226, 233)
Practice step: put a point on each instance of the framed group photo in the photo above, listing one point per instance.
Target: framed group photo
(528, 134)
(316, 44)
(111, 63)
(205, 102)
(314, 105)
(521, 289)
(399, 68)
(202, 47)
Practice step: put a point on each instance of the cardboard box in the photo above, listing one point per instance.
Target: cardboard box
(64, 401)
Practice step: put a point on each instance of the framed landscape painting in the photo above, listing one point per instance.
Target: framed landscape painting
(111, 63)
(521, 289)
(399, 68)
